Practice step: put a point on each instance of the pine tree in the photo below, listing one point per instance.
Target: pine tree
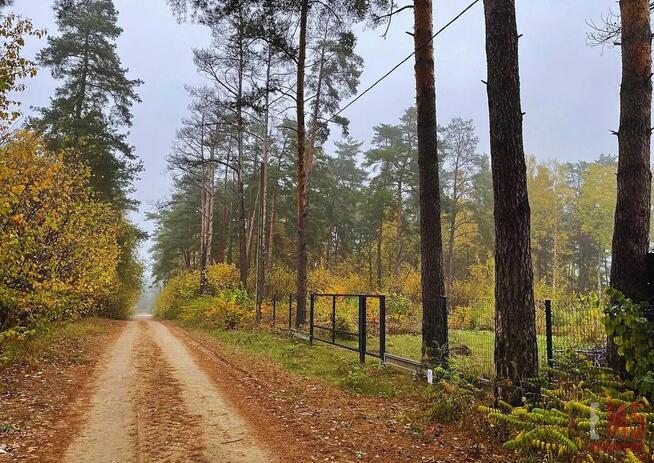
(92, 107)
(434, 310)
(516, 352)
(632, 211)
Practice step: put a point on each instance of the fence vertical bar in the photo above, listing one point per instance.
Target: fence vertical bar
(362, 329)
(334, 319)
(290, 308)
(382, 327)
(311, 308)
(274, 310)
(548, 330)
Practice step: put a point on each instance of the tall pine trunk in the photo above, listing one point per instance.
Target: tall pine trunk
(434, 310)
(222, 234)
(252, 218)
(243, 260)
(379, 252)
(516, 353)
(399, 223)
(450, 252)
(271, 228)
(301, 286)
(632, 209)
(263, 210)
(207, 200)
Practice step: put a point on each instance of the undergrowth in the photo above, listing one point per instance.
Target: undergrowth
(51, 342)
(583, 413)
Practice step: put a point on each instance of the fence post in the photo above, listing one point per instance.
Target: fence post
(311, 306)
(290, 309)
(382, 327)
(334, 319)
(274, 310)
(362, 329)
(548, 330)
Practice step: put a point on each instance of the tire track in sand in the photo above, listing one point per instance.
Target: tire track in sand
(107, 435)
(152, 403)
(225, 433)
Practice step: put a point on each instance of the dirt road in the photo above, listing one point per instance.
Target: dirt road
(153, 403)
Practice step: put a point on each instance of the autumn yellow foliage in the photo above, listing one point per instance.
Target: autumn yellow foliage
(59, 247)
(178, 299)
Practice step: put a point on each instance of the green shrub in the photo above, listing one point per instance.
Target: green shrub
(633, 334)
(447, 403)
(280, 282)
(398, 304)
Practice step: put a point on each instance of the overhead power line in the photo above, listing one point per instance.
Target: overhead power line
(394, 68)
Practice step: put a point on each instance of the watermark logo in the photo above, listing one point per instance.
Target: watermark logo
(625, 428)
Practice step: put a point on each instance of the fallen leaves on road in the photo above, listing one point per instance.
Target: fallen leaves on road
(300, 418)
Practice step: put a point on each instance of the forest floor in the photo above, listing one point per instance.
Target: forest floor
(145, 391)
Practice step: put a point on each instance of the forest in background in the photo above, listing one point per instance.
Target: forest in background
(258, 186)
(364, 214)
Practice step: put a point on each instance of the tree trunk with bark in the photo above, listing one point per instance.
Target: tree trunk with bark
(434, 310)
(632, 210)
(262, 251)
(452, 227)
(251, 221)
(243, 261)
(224, 220)
(206, 208)
(379, 252)
(271, 228)
(302, 259)
(516, 352)
(399, 223)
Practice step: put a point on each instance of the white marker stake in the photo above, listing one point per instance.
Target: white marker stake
(430, 376)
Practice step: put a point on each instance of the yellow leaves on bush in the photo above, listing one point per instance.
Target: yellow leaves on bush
(223, 312)
(222, 276)
(280, 282)
(184, 286)
(58, 247)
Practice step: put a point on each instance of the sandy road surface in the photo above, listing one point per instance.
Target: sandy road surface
(153, 403)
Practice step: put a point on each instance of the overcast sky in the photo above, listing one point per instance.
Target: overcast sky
(569, 90)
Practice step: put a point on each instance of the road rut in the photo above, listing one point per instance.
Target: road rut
(153, 403)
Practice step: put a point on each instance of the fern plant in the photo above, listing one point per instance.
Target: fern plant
(584, 413)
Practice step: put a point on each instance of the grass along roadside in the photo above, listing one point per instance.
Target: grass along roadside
(327, 363)
(340, 367)
(310, 400)
(57, 341)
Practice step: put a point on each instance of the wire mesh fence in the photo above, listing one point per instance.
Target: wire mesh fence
(575, 326)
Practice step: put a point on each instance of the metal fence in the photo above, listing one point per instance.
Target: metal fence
(356, 322)
(561, 327)
(370, 325)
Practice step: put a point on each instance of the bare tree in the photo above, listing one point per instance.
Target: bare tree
(609, 29)
(460, 153)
